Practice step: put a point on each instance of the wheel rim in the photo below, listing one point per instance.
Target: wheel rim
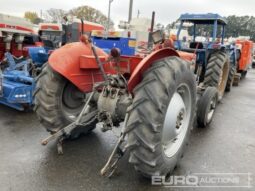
(176, 121)
(223, 79)
(211, 109)
(72, 101)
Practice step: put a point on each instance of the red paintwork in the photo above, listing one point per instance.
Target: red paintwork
(136, 76)
(4, 26)
(187, 56)
(2, 48)
(89, 61)
(14, 49)
(88, 27)
(75, 61)
(66, 61)
(246, 54)
(46, 27)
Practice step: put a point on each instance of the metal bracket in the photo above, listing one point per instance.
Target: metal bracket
(117, 153)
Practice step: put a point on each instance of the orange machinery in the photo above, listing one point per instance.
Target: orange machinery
(245, 60)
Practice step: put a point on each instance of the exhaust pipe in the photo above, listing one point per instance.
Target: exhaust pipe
(152, 21)
(130, 11)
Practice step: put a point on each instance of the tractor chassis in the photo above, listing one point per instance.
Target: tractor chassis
(113, 100)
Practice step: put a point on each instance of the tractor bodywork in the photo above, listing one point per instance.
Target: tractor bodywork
(212, 27)
(246, 52)
(77, 63)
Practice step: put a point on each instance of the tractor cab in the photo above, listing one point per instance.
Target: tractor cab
(51, 34)
(208, 33)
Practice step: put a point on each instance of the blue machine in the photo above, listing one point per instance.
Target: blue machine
(215, 37)
(17, 81)
(125, 45)
(39, 55)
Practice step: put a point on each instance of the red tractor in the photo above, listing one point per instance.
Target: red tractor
(153, 96)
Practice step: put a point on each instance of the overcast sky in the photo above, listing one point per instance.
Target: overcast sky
(166, 10)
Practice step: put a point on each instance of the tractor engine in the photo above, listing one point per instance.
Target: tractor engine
(113, 102)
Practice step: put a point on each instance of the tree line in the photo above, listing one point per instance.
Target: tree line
(237, 25)
(56, 15)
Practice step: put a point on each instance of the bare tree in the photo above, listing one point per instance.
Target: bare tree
(90, 14)
(54, 15)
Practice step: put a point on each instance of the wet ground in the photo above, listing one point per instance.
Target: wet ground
(226, 146)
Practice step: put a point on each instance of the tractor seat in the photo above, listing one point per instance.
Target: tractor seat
(198, 45)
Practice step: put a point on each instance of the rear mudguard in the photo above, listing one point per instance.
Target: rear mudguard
(68, 61)
(136, 76)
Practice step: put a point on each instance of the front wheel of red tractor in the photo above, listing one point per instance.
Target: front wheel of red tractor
(161, 117)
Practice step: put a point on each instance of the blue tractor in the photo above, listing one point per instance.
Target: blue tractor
(215, 63)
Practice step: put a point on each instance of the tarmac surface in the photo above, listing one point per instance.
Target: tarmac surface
(226, 146)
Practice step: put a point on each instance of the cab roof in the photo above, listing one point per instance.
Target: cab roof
(208, 18)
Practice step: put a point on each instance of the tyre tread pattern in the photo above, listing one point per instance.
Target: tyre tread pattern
(146, 114)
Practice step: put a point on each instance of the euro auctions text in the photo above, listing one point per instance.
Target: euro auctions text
(239, 180)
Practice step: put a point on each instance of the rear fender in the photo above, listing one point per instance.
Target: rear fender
(75, 62)
(136, 76)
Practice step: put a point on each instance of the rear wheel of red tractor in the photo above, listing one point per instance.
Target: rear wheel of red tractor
(161, 117)
(217, 71)
(58, 102)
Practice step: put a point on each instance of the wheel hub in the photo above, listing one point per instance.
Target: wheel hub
(180, 118)
(72, 101)
(176, 121)
(211, 109)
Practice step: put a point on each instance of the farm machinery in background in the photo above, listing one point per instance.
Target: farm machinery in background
(133, 40)
(244, 52)
(23, 53)
(152, 97)
(17, 81)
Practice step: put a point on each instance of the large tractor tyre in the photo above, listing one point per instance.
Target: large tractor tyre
(58, 102)
(161, 117)
(230, 81)
(206, 106)
(217, 71)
